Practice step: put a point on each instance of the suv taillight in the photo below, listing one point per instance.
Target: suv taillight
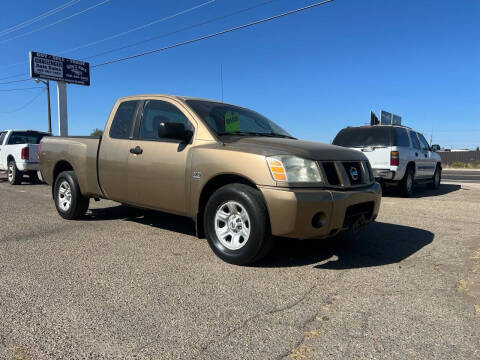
(25, 153)
(394, 158)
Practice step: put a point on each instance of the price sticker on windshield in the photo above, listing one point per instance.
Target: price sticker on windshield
(232, 121)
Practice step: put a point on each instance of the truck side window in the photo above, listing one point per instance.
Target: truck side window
(402, 137)
(156, 112)
(423, 142)
(122, 124)
(415, 142)
(2, 137)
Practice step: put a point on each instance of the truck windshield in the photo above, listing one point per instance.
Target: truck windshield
(365, 136)
(25, 137)
(226, 119)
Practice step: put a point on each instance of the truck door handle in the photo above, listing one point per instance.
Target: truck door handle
(136, 150)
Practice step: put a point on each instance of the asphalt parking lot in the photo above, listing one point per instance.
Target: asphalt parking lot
(126, 283)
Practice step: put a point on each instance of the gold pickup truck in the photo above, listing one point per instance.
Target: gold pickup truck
(238, 175)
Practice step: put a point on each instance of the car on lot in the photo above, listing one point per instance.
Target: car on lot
(399, 156)
(19, 154)
(237, 174)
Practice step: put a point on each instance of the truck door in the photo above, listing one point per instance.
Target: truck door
(115, 150)
(157, 167)
(429, 162)
(416, 152)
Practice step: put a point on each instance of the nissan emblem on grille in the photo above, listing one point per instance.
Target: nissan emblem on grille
(354, 173)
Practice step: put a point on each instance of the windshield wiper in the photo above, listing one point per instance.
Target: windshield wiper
(252, 133)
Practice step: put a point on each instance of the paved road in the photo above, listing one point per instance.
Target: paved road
(131, 284)
(461, 175)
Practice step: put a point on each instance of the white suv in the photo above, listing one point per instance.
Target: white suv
(398, 155)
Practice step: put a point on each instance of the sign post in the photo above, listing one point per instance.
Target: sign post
(63, 71)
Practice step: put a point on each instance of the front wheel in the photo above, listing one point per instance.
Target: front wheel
(437, 178)
(69, 201)
(236, 224)
(15, 176)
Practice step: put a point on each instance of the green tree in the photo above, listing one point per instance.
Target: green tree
(96, 132)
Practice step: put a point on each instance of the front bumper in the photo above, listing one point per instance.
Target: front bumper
(293, 212)
(27, 166)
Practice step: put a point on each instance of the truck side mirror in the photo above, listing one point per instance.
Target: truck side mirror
(175, 131)
(435, 147)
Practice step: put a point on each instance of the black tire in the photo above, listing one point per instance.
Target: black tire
(437, 179)
(78, 205)
(407, 185)
(33, 177)
(259, 241)
(15, 176)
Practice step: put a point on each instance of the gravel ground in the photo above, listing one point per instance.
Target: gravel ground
(126, 283)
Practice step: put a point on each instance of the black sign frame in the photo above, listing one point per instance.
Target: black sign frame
(56, 68)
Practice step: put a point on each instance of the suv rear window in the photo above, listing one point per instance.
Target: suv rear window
(25, 137)
(402, 137)
(364, 136)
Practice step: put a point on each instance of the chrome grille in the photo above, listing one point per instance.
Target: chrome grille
(346, 174)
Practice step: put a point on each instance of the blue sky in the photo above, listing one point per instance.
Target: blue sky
(313, 73)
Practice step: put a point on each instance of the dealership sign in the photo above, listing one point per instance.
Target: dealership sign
(387, 118)
(51, 67)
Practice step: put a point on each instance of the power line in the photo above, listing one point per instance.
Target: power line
(179, 30)
(21, 89)
(14, 81)
(140, 27)
(162, 35)
(214, 34)
(56, 22)
(25, 105)
(38, 18)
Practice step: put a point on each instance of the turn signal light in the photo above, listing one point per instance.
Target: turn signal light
(394, 158)
(277, 169)
(25, 153)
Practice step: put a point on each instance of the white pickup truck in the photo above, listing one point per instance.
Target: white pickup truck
(399, 156)
(19, 154)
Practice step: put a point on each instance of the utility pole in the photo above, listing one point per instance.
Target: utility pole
(47, 84)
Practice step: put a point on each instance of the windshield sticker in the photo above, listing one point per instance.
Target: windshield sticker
(232, 121)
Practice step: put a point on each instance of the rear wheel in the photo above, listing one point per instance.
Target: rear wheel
(69, 201)
(437, 178)
(14, 175)
(407, 185)
(236, 224)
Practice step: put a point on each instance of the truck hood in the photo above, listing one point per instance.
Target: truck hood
(306, 149)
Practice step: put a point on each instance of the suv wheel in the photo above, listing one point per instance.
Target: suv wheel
(437, 178)
(14, 175)
(236, 224)
(407, 184)
(69, 201)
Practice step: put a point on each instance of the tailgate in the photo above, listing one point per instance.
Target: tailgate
(33, 153)
(379, 157)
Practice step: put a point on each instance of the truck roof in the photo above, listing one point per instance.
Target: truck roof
(24, 130)
(175, 97)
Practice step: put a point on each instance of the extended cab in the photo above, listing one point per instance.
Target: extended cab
(399, 156)
(238, 175)
(19, 154)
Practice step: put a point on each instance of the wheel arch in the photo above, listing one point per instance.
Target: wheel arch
(60, 166)
(210, 187)
(10, 157)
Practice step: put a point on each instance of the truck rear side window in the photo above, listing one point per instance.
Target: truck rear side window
(402, 137)
(123, 121)
(25, 137)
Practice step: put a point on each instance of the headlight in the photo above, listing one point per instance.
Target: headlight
(292, 169)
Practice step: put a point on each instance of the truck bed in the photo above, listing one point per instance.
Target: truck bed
(78, 152)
